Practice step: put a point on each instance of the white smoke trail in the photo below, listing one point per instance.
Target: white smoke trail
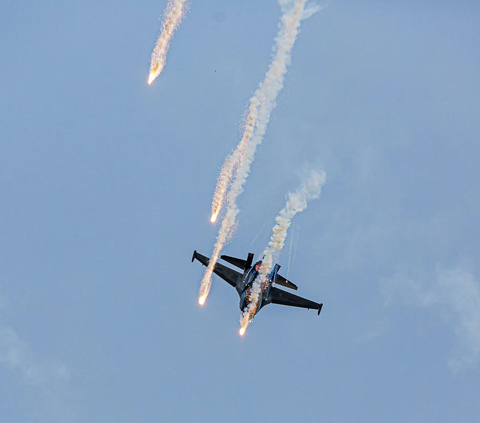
(296, 202)
(264, 99)
(222, 238)
(261, 106)
(232, 161)
(173, 15)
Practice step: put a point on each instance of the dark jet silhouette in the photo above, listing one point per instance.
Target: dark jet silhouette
(243, 283)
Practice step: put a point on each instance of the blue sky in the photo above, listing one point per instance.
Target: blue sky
(106, 189)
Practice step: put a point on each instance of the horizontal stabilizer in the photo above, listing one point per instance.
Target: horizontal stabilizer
(241, 264)
(232, 277)
(201, 258)
(280, 280)
(235, 261)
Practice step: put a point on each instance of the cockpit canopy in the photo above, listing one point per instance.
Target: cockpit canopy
(253, 273)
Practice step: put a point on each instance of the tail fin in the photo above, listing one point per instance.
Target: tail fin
(248, 264)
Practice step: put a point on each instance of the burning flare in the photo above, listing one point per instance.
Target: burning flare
(154, 73)
(201, 300)
(173, 15)
(245, 320)
(223, 183)
(213, 219)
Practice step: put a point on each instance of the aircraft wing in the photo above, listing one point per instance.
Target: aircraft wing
(286, 298)
(228, 275)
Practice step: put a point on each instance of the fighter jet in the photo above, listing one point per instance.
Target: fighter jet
(243, 283)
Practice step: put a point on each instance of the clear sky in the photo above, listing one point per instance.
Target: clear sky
(106, 185)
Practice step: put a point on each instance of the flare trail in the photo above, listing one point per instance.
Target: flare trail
(296, 202)
(173, 15)
(237, 165)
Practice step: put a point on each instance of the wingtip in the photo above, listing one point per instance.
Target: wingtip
(193, 256)
(320, 309)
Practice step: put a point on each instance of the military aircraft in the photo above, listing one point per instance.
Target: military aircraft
(243, 283)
